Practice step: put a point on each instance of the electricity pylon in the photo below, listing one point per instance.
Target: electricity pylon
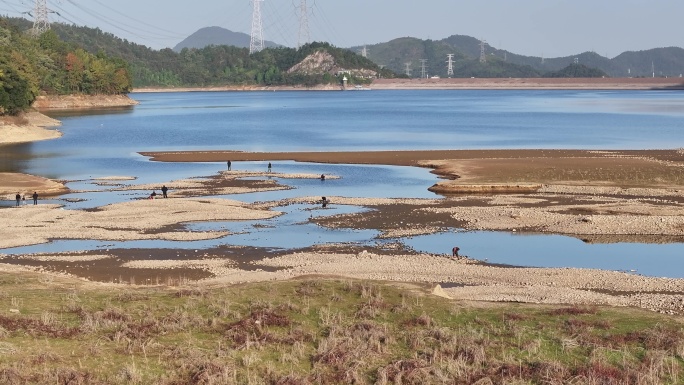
(408, 69)
(256, 42)
(40, 18)
(423, 71)
(450, 68)
(483, 57)
(304, 36)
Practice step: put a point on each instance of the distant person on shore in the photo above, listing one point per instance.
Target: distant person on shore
(164, 190)
(153, 195)
(18, 198)
(324, 202)
(35, 198)
(269, 167)
(229, 165)
(23, 200)
(454, 252)
(322, 176)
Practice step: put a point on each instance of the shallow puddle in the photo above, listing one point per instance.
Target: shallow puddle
(659, 260)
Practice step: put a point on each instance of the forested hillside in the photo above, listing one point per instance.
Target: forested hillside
(576, 71)
(32, 65)
(212, 65)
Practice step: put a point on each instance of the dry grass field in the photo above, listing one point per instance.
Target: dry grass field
(318, 330)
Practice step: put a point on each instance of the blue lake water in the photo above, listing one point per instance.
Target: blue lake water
(106, 143)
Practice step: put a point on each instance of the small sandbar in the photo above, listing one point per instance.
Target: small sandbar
(115, 178)
(205, 264)
(63, 258)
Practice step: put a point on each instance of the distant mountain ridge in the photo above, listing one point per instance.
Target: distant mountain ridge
(218, 36)
(394, 54)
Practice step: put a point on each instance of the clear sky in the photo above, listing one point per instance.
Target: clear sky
(530, 27)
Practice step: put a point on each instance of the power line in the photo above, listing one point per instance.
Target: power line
(327, 24)
(120, 25)
(134, 19)
(277, 18)
(11, 5)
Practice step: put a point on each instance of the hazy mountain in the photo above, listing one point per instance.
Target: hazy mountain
(405, 53)
(218, 36)
(666, 62)
(466, 49)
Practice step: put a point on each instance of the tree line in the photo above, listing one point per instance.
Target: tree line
(211, 65)
(31, 65)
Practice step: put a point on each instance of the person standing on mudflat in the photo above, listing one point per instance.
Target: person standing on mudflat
(18, 199)
(269, 166)
(229, 165)
(164, 190)
(35, 198)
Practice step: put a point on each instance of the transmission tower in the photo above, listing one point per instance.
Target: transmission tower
(408, 69)
(450, 67)
(483, 57)
(304, 35)
(423, 72)
(40, 18)
(256, 43)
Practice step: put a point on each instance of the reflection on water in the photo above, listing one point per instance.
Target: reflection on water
(14, 157)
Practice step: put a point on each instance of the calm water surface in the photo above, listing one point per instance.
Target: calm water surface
(105, 143)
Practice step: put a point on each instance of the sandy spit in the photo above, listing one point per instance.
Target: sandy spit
(31, 129)
(135, 220)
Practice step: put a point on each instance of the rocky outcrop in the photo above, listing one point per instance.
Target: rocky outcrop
(322, 62)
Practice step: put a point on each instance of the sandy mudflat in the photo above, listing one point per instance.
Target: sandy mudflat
(26, 185)
(32, 127)
(599, 196)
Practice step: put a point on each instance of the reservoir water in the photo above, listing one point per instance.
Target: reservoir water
(106, 143)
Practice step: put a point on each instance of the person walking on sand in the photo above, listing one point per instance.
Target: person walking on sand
(269, 167)
(18, 199)
(23, 200)
(35, 198)
(228, 164)
(164, 190)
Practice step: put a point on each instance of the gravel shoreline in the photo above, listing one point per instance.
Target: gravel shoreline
(584, 208)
